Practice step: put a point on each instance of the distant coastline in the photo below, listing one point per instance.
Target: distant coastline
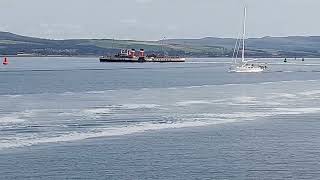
(267, 47)
(94, 56)
(33, 56)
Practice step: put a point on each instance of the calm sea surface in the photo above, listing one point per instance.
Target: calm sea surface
(76, 118)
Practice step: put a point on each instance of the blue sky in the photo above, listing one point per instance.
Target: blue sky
(154, 19)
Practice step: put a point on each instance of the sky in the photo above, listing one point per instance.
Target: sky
(156, 19)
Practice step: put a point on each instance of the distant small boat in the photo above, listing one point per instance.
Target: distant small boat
(245, 66)
(5, 61)
(285, 60)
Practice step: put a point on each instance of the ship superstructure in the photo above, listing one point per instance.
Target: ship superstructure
(130, 55)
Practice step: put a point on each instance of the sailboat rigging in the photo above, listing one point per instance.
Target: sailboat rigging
(245, 66)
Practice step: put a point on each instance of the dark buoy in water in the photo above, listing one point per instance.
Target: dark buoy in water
(5, 61)
(302, 59)
(285, 60)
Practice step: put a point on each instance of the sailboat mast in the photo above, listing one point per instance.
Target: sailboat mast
(244, 33)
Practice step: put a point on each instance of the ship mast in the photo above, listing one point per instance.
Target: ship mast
(162, 46)
(244, 33)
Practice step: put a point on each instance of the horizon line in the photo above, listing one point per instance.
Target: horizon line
(127, 39)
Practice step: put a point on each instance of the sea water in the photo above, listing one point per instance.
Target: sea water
(77, 118)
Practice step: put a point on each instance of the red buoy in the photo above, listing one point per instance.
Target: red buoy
(5, 61)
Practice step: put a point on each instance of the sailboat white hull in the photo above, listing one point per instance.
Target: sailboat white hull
(247, 70)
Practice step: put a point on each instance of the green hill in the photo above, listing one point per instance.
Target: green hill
(12, 44)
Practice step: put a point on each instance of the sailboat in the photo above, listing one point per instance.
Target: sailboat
(245, 66)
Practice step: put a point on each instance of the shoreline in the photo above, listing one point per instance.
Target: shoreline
(96, 56)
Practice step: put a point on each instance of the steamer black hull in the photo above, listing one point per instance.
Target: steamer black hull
(119, 60)
(167, 60)
(141, 60)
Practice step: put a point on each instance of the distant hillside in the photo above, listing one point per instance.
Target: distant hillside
(266, 46)
(12, 44)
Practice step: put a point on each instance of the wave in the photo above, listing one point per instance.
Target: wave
(297, 111)
(99, 112)
(273, 103)
(92, 113)
(95, 92)
(68, 93)
(245, 99)
(194, 102)
(244, 84)
(282, 95)
(96, 133)
(11, 120)
(140, 106)
(168, 88)
(17, 117)
(310, 93)
(239, 116)
(182, 121)
(96, 111)
(13, 96)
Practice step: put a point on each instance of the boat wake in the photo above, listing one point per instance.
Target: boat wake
(77, 116)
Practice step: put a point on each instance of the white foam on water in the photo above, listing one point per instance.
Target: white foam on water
(191, 87)
(140, 106)
(96, 133)
(12, 96)
(93, 112)
(282, 95)
(273, 103)
(193, 102)
(247, 84)
(266, 83)
(178, 87)
(238, 116)
(186, 121)
(244, 99)
(297, 111)
(11, 120)
(310, 93)
(102, 111)
(313, 80)
(197, 120)
(68, 114)
(97, 111)
(95, 92)
(288, 71)
(89, 112)
(68, 93)
(17, 117)
(172, 88)
(31, 113)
